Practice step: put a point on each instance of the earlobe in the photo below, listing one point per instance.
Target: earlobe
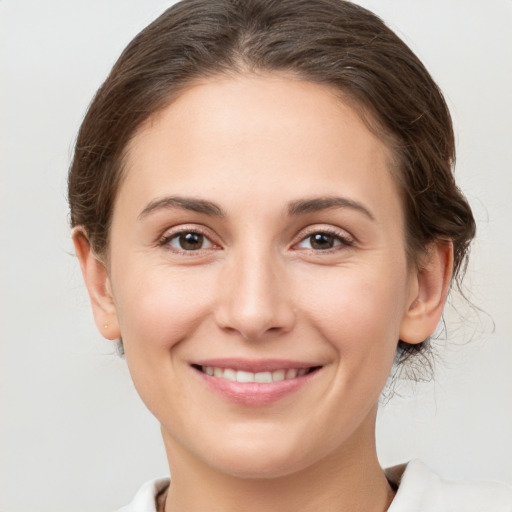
(430, 286)
(98, 285)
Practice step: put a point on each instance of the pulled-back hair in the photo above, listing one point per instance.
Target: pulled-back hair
(331, 42)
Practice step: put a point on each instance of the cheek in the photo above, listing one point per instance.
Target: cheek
(358, 311)
(161, 306)
(157, 310)
(360, 318)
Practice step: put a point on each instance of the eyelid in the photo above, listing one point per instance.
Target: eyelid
(171, 233)
(342, 235)
(346, 239)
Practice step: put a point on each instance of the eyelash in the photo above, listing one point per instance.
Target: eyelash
(165, 241)
(343, 239)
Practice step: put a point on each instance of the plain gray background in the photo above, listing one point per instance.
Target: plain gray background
(74, 436)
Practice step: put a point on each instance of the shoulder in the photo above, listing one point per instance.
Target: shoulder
(145, 499)
(422, 490)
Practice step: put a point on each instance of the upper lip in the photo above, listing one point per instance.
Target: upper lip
(254, 365)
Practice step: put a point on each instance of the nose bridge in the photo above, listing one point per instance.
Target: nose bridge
(255, 298)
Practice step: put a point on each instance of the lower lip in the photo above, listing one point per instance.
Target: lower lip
(255, 393)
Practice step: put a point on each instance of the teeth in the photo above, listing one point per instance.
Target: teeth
(278, 375)
(229, 374)
(242, 376)
(291, 373)
(263, 377)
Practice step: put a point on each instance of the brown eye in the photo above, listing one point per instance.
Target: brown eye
(323, 241)
(189, 241)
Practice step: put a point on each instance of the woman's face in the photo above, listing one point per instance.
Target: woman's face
(259, 236)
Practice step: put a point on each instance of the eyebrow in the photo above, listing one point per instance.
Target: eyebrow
(316, 204)
(295, 208)
(183, 203)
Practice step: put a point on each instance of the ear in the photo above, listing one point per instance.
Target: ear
(430, 283)
(98, 285)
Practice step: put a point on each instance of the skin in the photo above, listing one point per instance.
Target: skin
(257, 288)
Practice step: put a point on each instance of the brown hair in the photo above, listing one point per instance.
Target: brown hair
(332, 42)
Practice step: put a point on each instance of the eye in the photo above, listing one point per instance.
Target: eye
(323, 241)
(188, 241)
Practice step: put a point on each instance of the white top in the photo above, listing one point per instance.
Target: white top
(420, 490)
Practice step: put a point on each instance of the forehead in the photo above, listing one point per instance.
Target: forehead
(269, 102)
(254, 132)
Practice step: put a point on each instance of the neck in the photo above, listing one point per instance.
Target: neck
(350, 479)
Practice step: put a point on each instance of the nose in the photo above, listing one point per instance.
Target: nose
(255, 298)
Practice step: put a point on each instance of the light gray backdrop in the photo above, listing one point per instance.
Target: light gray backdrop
(74, 435)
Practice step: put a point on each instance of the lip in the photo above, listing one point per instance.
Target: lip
(254, 394)
(255, 365)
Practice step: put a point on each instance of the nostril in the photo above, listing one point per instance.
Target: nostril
(254, 309)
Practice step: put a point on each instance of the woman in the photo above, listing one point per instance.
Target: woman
(265, 214)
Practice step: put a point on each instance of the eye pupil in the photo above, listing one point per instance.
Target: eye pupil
(191, 241)
(322, 241)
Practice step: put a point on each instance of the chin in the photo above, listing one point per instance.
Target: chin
(260, 467)
(260, 459)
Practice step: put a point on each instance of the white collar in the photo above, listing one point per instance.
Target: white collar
(419, 490)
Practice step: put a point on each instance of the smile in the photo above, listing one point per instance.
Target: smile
(261, 377)
(254, 383)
